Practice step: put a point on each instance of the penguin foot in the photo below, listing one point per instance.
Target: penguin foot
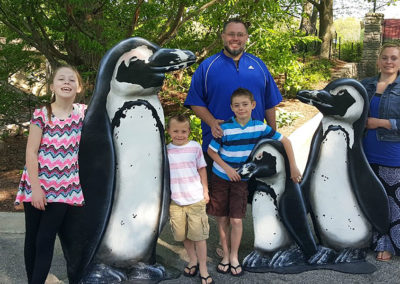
(289, 257)
(256, 259)
(101, 273)
(349, 255)
(324, 255)
(153, 273)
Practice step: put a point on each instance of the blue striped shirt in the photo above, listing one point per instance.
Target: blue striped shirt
(237, 141)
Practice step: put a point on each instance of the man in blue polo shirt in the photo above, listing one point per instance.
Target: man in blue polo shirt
(219, 75)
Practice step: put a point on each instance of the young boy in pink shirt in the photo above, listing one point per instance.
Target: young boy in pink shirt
(189, 196)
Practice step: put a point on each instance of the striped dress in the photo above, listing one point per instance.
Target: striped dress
(58, 167)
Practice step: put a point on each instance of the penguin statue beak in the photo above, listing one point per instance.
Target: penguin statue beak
(247, 170)
(320, 99)
(166, 60)
(327, 103)
(251, 169)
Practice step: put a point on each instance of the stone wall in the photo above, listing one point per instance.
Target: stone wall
(371, 45)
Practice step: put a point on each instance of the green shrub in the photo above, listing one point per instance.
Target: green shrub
(315, 70)
(284, 118)
(17, 107)
(351, 51)
(195, 129)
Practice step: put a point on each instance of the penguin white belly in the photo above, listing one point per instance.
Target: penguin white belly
(269, 232)
(134, 220)
(339, 218)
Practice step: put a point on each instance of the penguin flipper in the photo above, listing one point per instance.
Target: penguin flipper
(369, 191)
(292, 210)
(311, 162)
(84, 227)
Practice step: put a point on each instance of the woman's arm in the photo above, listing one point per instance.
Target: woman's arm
(373, 123)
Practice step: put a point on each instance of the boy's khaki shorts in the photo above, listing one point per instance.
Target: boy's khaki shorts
(189, 221)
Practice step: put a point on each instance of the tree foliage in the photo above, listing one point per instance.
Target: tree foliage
(345, 8)
(79, 32)
(348, 29)
(41, 34)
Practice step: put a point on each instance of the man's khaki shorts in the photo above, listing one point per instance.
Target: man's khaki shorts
(189, 221)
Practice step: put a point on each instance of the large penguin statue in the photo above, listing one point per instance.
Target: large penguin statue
(124, 169)
(345, 197)
(279, 213)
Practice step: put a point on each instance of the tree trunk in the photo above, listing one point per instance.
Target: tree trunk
(314, 18)
(306, 24)
(325, 9)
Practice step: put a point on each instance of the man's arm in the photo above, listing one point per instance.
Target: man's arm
(270, 116)
(205, 115)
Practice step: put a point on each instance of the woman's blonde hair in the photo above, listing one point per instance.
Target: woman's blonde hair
(388, 45)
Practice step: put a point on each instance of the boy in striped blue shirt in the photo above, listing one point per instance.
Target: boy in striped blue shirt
(228, 195)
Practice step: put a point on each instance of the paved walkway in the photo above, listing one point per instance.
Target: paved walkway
(171, 252)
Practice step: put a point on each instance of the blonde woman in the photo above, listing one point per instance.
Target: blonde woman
(382, 142)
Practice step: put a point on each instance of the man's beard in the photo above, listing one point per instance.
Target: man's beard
(235, 52)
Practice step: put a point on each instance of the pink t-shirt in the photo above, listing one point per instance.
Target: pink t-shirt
(184, 162)
(58, 167)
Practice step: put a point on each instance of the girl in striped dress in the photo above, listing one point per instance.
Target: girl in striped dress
(50, 180)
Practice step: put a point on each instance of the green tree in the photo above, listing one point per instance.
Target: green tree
(325, 11)
(79, 32)
(348, 29)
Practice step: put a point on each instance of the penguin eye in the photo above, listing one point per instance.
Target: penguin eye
(259, 156)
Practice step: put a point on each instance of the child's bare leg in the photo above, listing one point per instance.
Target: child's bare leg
(236, 237)
(189, 246)
(201, 250)
(223, 229)
(219, 250)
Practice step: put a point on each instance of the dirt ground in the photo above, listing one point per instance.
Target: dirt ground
(12, 153)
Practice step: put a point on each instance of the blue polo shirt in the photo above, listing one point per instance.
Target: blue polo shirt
(218, 76)
(235, 146)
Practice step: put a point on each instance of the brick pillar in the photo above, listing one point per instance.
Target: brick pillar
(371, 45)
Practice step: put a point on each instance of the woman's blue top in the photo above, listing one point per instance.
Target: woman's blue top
(380, 152)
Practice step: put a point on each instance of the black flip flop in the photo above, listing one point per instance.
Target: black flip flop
(205, 279)
(188, 274)
(223, 265)
(235, 268)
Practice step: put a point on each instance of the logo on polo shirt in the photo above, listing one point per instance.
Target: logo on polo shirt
(251, 67)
